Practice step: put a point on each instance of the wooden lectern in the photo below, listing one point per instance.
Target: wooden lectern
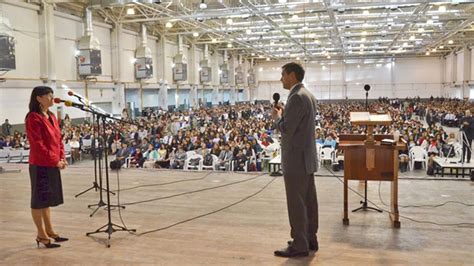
(365, 158)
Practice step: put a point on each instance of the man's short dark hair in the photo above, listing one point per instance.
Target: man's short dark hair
(296, 68)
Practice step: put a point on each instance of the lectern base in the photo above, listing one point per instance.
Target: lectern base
(345, 221)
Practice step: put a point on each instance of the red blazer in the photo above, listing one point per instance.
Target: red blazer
(46, 146)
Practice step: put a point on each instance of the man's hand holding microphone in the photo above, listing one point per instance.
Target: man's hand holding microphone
(278, 108)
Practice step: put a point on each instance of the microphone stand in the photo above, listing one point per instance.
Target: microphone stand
(109, 227)
(364, 206)
(98, 153)
(95, 185)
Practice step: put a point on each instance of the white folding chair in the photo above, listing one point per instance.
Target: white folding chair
(327, 154)
(67, 152)
(213, 166)
(25, 156)
(188, 166)
(15, 156)
(418, 154)
(4, 154)
(86, 145)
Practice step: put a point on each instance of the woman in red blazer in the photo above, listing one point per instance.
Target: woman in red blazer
(46, 159)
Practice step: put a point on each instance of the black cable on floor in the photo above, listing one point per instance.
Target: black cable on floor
(407, 178)
(401, 216)
(166, 183)
(425, 206)
(193, 191)
(211, 212)
(118, 199)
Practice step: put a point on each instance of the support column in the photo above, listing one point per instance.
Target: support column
(232, 66)
(193, 66)
(442, 90)
(116, 61)
(466, 72)
(163, 96)
(47, 42)
(216, 93)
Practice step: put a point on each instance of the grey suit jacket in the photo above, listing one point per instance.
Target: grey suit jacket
(297, 128)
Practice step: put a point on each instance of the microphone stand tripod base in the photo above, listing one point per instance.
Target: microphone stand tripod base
(100, 204)
(109, 229)
(94, 186)
(364, 207)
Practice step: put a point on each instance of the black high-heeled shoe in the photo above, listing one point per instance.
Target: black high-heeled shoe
(57, 238)
(46, 245)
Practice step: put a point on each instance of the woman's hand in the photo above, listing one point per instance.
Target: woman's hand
(62, 164)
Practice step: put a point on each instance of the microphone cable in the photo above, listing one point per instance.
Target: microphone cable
(165, 183)
(195, 217)
(211, 212)
(193, 191)
(427, 205)
(401, 216)
(426, 178)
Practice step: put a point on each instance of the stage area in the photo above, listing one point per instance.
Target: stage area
(246, 233)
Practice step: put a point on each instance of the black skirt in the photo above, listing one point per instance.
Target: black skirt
(46, 187)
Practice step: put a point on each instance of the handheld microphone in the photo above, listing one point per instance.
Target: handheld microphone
(69, 103)
(276, 98)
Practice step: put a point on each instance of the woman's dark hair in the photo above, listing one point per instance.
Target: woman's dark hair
(34, 105)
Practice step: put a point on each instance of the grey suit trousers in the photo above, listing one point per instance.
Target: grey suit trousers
(302, 209)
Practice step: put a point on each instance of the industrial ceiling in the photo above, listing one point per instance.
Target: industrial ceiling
(299, 30)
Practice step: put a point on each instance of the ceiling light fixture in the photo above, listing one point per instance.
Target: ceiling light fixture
(442, 9)
(427, 53)
(441, 47)
(450, 42)
(248, 31)
(202, 5)
(130, 11)
(169, 25)
(195, 34)
(229, 45)
(412, 38)
(229, 21)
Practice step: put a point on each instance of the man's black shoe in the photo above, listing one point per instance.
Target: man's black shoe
(313, 246)
(290, 252)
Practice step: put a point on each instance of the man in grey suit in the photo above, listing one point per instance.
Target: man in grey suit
(299, 161)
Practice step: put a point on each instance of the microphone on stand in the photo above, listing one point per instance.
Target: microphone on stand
(69, 103)
(79, 97)
(276, 98)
